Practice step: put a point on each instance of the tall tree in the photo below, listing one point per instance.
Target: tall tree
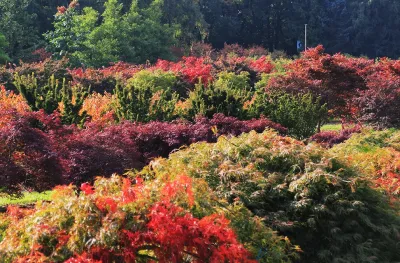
(3, 45)
(150, 37)
(64, 40)
(103, 42)
(135, 36)
(186, 18)
(18, 26)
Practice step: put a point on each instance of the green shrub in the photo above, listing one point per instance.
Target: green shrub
(49, 97)
(231, 81)
(72, 103)
(301, 191)
(302, 114)
(153, 80)
(227, 95)
(46, 97)
(209, 100)
(143, 103)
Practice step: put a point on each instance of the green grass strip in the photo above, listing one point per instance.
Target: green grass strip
(25, 199)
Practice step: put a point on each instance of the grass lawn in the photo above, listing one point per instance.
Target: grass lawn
(26, 198)
(334, 126)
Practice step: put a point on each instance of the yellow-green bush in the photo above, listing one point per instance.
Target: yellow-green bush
(301, 191)
(377, 155)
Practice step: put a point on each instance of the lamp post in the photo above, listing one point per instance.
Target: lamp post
(305, 37)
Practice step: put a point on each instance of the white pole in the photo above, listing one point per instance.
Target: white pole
(305, 37)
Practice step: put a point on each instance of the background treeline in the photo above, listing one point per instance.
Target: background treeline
(357, 27)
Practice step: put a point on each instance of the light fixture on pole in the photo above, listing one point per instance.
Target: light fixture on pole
(305, 37)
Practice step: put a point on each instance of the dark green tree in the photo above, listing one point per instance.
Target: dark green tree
(187, 20)
(3, 44)
(17, 24)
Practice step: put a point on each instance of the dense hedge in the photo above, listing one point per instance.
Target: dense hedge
(38, 152)
(312, 197)
(322, 209)
(353, 88)
(230, 83)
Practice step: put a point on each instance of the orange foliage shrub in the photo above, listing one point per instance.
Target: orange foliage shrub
(10, 101)
(98, 106)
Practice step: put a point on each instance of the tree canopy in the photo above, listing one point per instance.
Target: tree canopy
(103, 31)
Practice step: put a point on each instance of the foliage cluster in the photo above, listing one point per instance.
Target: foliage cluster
(359, 89)
(376, 154)
(134, 35)
(222, 202)
(3, 56)
(52, 96)
(38, 151)
(331, 138)
(232, 85)
(303, 192)
(119, 220)
(353, 88)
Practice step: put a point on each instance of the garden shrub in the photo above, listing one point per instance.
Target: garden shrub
(302, 114)
(331, 138)
(377, 155)
(231, 81)
(38, 151)
(191, 69)
(43, 70)
(98, 106)
(154, 80)
(379, 104)
(104, 79)
(335, 78)
(167, 220)
(309, 196)
(158, 80)
(210, 100)
(27, 157)
(9, 103)
(142, 104)
(46, 97)
(55, 95)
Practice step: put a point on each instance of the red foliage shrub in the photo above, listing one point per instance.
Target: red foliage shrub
(390, 181)
(380, 103)
(149, 228)
(261, 65)
(27, 156)
(335, 78)
(191, 69)
(38, 152)
(104, 79)
(331, 138)
(175, 234)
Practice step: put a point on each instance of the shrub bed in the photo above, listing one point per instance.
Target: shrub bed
(306, 194)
